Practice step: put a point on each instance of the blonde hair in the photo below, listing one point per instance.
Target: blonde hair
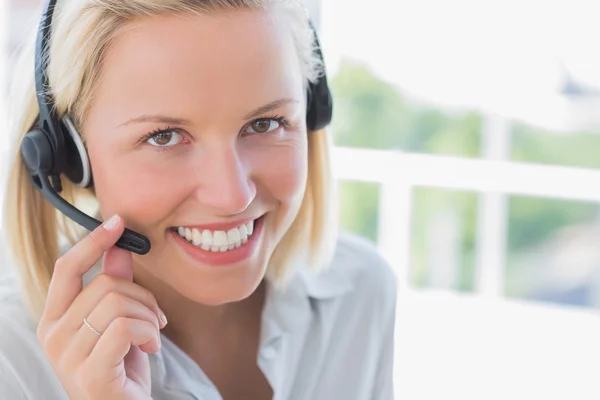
(82, 30)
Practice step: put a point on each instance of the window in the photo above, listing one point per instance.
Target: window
(468, 133)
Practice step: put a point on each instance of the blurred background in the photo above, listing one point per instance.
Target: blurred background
(467, 140)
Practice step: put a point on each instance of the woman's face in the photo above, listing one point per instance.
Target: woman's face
(198, 127)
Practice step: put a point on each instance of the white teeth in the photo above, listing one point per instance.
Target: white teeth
(196, 237)
(217, 241)
(207, 238)
(243, 233)
(233, 235)
(220, 239)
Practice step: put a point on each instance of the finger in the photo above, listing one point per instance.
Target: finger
(115, 343)
(118, 262)
(113, 306)
(100, 287)
(66, 281)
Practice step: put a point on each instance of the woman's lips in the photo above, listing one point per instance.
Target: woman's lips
(221, 258)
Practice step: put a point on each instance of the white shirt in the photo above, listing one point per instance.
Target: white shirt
(326, 337)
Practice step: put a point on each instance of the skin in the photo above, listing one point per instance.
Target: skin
(214, 165)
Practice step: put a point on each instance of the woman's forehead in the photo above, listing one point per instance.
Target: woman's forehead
(214, 60)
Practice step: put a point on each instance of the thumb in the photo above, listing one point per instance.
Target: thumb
(118, 262)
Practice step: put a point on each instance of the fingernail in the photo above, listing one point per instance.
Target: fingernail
(162, 318)
(111, 223)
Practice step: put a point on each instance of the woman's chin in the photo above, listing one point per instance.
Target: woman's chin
(219, 293)
(214, 286)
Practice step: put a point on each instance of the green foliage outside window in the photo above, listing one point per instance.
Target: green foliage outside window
(371, 113)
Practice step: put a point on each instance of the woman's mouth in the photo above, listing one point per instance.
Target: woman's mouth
(219, 246)
(217, 240)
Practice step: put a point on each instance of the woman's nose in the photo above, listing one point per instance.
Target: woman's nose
(226, 184)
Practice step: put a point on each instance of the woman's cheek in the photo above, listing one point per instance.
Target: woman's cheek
(141, 195)
(282, 170)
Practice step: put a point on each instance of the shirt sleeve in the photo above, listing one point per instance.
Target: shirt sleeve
(10, 386)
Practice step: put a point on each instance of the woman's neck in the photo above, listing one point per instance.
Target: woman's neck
(191, 325)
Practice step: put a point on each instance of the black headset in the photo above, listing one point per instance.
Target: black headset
(54, 147)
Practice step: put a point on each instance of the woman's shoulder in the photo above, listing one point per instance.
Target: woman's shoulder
(358, 272)
(16, 322)
(370, 274)
(353, 314)
(24, 369)
(359, 257)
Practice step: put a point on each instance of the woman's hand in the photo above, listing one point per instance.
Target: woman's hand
(112, 364)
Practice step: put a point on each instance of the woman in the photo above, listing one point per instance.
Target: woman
(194, 118)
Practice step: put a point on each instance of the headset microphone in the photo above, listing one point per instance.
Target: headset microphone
(54, 147)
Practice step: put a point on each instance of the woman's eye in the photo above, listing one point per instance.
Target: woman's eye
(264, 125)
(165, 139)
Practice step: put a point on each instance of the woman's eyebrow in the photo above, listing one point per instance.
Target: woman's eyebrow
(157, 118)
(184, 122)
(268, 107)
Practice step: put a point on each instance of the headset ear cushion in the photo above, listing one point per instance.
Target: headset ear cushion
(37, 152)
(319, 110)
(320, 105)
(78, 168)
